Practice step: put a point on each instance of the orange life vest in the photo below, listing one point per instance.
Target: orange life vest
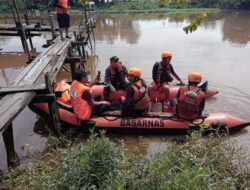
(64, 4)
(64, 88)
(113, 74)
(80, 106)
(163, 71)
(140, 97)
(188, 103)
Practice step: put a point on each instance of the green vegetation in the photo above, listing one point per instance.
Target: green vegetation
(223, 4)
(133, 4)
(200, 163)
(195, 23)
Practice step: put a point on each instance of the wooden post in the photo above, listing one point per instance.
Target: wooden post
(87, 25)
(26, 16)
(12, 159)
(73, 70)
(75, 36)
(78, 46)
(21, 29)
(51, 21)
(53, 108)
(30, 40)
(12, 11)
(26, 19)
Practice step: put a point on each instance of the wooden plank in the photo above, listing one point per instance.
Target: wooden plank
(15, 89)
(11, 106)
(48, 61)
(48, 69)
(79, 43)
(62, 49)
(72, 60)
(41, 63)
(55, 68)
(37, 59)
(35, 72)
(44, 98)
(12, 27)
(32, 64)
(59, 45)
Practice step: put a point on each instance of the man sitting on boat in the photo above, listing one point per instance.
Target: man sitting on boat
(190, 98)
(137, 100)
(81, 97)
(116, 74)
(163, 73)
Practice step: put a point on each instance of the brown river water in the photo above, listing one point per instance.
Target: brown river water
(219, 49)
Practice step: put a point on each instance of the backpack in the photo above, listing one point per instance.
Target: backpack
(189, 106)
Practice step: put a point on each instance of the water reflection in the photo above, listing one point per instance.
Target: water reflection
(11, 66)
(235, 26)
(112, 27)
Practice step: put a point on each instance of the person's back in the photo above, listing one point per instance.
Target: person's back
(63, 18)
(190, 98)
(116, 74)
(137, 100)
(80, 106)
(62, 6)
(81, 97)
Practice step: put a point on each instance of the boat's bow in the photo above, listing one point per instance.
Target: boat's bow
(233, 124)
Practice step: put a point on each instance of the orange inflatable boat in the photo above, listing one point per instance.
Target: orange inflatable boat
(150, 123)
(114, 96)
(155, 96)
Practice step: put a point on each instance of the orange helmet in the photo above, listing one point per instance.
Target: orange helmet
(135, 72)
(166, 54)
(194, 77)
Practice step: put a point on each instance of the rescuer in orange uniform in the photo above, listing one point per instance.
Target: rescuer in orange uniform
(137, 100)
(190, 98)
(81, 97)
(63, 18)
(163, 72)
(116, 74)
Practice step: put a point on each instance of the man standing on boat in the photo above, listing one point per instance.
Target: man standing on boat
(62, 11)
(190, 98)
(137, 100)
(116, 74)
(163, 72)
(81, 96)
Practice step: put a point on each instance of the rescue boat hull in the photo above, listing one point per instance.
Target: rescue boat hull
(150, 123)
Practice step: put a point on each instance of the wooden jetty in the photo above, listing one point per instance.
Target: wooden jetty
(31, 27)
(33, 85)
(30, 30)
(27, 31)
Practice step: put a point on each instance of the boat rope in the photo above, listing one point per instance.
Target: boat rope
(106, 117)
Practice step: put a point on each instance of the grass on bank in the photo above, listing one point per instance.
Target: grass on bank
(209, 163)
(131, 9)
(150, 8)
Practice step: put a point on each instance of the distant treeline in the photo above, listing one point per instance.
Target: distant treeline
(48, 4)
